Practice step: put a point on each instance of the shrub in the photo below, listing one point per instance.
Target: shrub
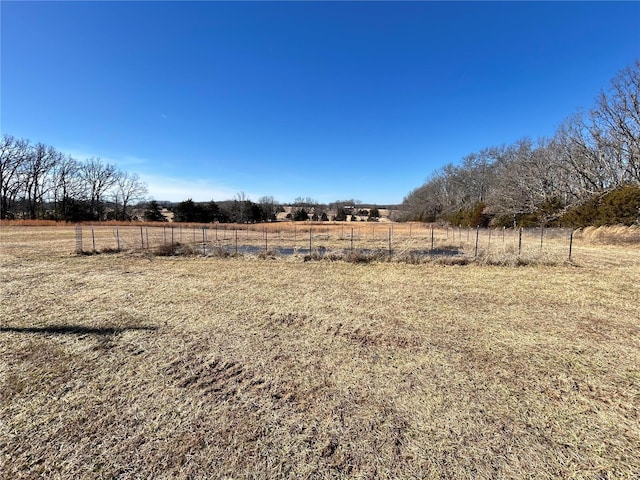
(620, 206)
(301, 215)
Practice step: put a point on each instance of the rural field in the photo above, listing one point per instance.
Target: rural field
(129, 364)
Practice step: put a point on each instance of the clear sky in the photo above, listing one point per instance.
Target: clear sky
(328, 100)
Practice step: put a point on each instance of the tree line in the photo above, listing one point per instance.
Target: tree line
(39, 182)
(587, 172)
(242, 210)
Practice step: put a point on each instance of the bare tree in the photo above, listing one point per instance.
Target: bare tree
(241, 203)
(98, 178)
(268, 206)
(13, 156)
(616, 118)
(68, 187)
(128, 188)
(527, 180)
(39, 164)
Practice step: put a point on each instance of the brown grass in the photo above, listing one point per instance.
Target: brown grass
(616, 235)
(131, 366)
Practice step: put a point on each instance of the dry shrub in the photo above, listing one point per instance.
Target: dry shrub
(357, 256)
(411, 258)
(165, 250)
(613, 235)
(511, 258)
(445, 260)
(30, 223)
(108, 250)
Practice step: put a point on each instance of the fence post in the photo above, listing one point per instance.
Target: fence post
(78, 231)
(118, 238)
(142, 239)
(309, 240)
(432, 238)
(352, 239)
(570, 244)
(390, 233)
(146, 231)
(236, 237)
(266, 246)
(93, 239)
(172, 236)
(520, 241)
(541, 235)
(475, 253)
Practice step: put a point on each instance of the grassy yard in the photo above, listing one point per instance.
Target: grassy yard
(128, 365)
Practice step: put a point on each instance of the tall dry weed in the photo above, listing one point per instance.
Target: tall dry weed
(610, 235)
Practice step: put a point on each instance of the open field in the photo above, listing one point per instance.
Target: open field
(128, 365)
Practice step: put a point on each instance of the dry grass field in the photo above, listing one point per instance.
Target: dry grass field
(130, 365)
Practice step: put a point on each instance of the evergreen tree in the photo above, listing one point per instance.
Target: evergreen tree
(153, 213)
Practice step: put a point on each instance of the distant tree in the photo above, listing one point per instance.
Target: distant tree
(13, 155)
(69, 200)
(153, 212)
(187, 211)
(98, 178)
(616, 124)
(240, 207)
(255, 213)
(128, 187)
(39, 164)
(269, 208)
(214, 213)
(301, 215)
(341, 215)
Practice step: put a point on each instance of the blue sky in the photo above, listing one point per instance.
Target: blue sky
(328, 100)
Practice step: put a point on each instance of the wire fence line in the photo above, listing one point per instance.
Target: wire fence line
(291, 239)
